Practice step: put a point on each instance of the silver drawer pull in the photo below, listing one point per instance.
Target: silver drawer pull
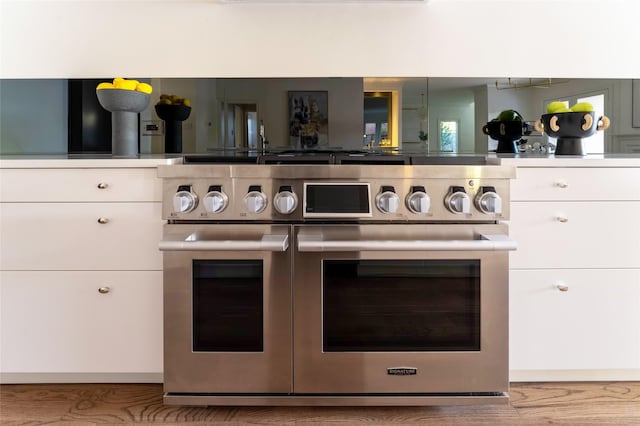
(562, 184)
(563, 287)
(563, 219)
(103, 220)
(104, 290)
(103, 185)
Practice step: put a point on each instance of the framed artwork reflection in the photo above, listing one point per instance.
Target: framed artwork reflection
(308, 119)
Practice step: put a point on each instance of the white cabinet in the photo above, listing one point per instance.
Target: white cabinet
(575, 278)
(575, 319)
(80, 185)
(81, 321)
(604, 234)
(81, 236)
(80, 275)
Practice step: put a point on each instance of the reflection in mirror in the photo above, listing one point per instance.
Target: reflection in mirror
(220, 107)
(474, 102)
(377, 119)
(240, 123)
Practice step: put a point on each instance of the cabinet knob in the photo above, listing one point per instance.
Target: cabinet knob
(561, 184)
(104, 290)
(103, 185)
(103, 220)
(563, 219)
(563, 287)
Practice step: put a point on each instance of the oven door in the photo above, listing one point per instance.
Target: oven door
(227, 308)
(401, 309)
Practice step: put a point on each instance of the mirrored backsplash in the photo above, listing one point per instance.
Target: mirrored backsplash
(411, 114)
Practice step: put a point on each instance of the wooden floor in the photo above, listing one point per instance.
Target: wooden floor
(531, 404)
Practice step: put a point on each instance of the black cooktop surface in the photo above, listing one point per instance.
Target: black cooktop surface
(333, 156)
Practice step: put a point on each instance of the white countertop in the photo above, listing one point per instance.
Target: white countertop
(82, 161)
(107, 161)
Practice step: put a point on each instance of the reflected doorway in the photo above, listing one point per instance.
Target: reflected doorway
(377, 119)
(240, 125)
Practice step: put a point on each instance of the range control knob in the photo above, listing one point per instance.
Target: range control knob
(387, 200)
(418, 200)
(255, 201)
(457, 200)
(184, 200)
(215, 201)
(488, 201)
(285, 201)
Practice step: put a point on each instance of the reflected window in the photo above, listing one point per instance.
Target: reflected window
(448, 134)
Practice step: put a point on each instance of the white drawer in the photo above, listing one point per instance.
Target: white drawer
(43, 185)
(595, 324)
(68, 236)
(60, 322)
(595, 235)
(580, 184)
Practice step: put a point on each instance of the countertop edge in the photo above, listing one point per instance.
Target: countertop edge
(63, 161)
(569, 161)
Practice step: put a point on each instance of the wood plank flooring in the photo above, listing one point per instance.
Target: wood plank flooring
(593, 403)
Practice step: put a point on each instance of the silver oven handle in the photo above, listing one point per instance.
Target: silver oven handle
(485, 243)
(277, 243)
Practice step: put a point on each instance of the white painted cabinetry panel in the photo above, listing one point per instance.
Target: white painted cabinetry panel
(80, 185)
(553, 234)
(576, 184)
(594, 324)
(578, 228)
(58, 322)
(65, 233)
(69, 236)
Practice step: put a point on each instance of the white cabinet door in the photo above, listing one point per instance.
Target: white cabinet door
(68, 236)
(576, 184)
(592, 325)
(80, 185)
(59, 322)
(575, 234)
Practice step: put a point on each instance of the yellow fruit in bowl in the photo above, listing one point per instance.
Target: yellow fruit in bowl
(105, 85)
(582, 107)
(556, 107)
(186, 102)
(164, 101)
(126, 84)
(144, 88)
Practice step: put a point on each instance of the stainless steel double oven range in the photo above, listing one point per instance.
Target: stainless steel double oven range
(353, 284)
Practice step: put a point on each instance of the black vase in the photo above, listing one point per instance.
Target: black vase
(173, 116)
(507, 133)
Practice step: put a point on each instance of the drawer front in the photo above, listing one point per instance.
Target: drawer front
(575, 234)
(42, 185)
(579, 184)
(594, 324)
(60, 322)
(69, 236)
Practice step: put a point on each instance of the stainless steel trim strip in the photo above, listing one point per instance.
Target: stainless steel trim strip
(341, 171)
(276, 243)
(335, 400)
(486, 243)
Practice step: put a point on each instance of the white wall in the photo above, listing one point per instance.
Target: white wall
(191, 38)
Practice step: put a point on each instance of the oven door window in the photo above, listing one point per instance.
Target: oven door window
(227, 306)
(401, 305)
